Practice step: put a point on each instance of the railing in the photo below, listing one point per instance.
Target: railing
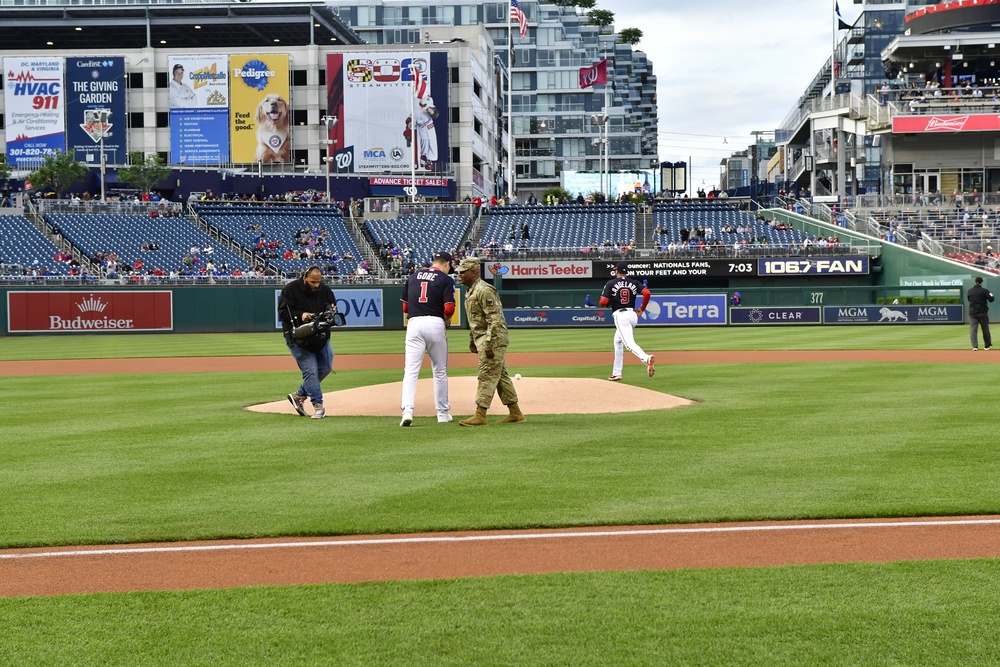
(162, 207)
(708, 252)
(929, 201)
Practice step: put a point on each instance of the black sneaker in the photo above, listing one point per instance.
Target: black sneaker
(297, 402)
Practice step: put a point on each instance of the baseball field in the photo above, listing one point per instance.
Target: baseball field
(833, 423)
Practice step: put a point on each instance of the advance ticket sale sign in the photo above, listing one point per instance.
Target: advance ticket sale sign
(34, 109)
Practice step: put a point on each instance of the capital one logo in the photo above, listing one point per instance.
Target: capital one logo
(954, 124)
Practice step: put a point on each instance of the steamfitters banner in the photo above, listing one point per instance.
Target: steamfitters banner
(92, 86)
(34, 109)
(199, 109)
(387, 124)
(260, 118)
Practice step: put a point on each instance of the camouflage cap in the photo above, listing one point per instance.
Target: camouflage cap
(468, 263)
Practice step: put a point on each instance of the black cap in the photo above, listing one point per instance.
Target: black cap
(443, 256)
(621, 267)
(177, 67)
(979, 280)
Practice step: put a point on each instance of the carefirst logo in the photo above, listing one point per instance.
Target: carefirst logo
(79, 323)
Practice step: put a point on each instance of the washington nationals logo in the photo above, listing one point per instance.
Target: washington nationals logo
(497, 269)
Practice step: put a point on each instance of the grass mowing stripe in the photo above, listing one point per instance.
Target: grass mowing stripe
(180, 459)
(898, 613)
(96, 346)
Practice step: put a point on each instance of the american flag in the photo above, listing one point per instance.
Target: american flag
(517, 14)
(419, 83)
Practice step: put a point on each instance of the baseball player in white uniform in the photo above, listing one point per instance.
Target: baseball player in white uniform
(429, 302)
(620, 293)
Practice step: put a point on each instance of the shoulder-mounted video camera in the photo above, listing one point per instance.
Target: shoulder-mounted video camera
(320, 323)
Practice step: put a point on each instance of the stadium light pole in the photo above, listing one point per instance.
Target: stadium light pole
(329, 122)
(102, 117)
(602, 119)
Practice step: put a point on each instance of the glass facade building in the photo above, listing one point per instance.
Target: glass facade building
(556, 124)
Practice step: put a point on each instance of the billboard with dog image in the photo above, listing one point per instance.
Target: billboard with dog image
(393, 111)
(260, 118)
(199, 109)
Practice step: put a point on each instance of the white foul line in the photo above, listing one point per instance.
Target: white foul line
(497, 538)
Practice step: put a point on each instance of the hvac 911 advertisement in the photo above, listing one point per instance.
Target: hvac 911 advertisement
(393, 111)
(34, 109)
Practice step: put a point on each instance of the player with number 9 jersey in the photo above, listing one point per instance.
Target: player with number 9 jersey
(620, 294)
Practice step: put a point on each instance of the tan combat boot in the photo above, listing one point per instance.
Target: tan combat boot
(478, 419)
(515, 415)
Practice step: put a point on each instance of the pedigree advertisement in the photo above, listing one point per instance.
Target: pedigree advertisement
(260, 116)
(90, 312)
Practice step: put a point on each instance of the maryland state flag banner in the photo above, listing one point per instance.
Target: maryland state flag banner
(591, 76)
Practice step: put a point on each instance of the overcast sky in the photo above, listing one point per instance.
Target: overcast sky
(725, 68)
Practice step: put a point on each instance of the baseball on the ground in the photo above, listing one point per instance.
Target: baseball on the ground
(517, 376)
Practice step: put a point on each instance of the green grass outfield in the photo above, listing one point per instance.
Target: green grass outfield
(161, 457)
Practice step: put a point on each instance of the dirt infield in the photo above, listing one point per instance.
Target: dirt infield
(178, 566)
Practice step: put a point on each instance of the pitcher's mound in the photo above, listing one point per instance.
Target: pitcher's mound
(536, 395)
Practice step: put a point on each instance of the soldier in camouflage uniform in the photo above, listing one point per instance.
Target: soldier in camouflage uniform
(488, 338)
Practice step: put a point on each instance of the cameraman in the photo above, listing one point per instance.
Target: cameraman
(301, 301)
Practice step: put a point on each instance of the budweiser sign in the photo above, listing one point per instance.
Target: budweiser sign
(928, 124)
(74, 311)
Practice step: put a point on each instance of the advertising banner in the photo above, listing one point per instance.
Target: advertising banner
(74, 312)
(775, 315)
(813, 266)
(199, 109)
(667, 310)
(34, 109)
(536, 270)
(390, 119)
(675, 268)
(945, 124)
(260, 117)
(95, 86)
(685, 310)
(893, 314)
(566, 317)
(360, 307)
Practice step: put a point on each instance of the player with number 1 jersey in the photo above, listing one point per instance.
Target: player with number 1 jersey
(620, 293)
(429, 303)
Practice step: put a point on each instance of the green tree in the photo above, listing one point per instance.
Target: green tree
(144, 172)
(556, 191)
(630, 36)
(602, 18)
(59, 171)
(5, 169)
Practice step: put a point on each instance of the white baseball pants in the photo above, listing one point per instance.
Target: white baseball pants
(426, 333)
(625, 322)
